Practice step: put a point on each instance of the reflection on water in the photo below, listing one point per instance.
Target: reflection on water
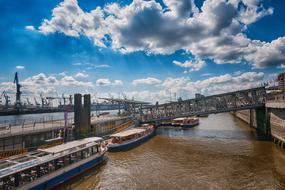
(221, 153)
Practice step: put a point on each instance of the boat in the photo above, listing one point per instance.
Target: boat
(166, 123)
(130, 138)
(203, 115)
(186, 122)
(50, 167)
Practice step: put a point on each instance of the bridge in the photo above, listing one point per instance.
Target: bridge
(254, 98)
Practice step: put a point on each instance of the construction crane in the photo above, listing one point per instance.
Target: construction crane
(65, 99)
(37, 103)
(18, 103)
(6, 97)
(28, 102)
(70, 99)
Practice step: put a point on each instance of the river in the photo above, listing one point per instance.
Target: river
(221, 153)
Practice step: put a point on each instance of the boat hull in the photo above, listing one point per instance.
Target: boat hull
(185, 125)
(130, 145)
(190, 125)
(61, 178)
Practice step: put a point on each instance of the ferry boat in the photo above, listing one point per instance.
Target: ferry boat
(185, 122)
(166, 123)
(130, 138)
(47, 168)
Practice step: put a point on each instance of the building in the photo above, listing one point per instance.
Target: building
(281, 82)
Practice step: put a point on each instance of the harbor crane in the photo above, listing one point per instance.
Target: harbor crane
(28, 102)
(37, 104)
(6, 97)
(18, 103)
(66, 99)
(44, 101)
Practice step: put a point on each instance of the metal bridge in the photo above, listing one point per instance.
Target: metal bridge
(233, 101)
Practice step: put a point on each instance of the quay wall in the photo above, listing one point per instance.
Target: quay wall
(277, 123)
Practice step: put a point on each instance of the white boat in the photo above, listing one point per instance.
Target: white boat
(47, 168)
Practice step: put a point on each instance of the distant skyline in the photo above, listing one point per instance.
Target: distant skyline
(149, 50)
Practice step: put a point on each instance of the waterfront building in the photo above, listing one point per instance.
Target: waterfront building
(281, 82)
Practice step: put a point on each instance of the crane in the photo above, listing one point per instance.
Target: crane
(6, 97)
(37, 103)
(18, 103)
(44, 101)
(28, 101)
(65, 99)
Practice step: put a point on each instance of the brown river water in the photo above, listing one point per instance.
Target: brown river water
(221, 153)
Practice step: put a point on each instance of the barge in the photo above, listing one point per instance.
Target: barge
(130, 138)
(48, 168)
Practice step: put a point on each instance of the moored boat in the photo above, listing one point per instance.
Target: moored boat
(166, 123)
(185, 122)
(47, 168)
(130, 138)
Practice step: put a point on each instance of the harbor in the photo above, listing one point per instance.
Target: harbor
(142, 95)
(34, 151)
(222, 151)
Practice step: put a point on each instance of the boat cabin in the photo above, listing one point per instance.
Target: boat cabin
(128, 135)
(185, 120)
(22, 169)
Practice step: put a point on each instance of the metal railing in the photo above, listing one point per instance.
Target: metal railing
(276, 98)
(21, 127)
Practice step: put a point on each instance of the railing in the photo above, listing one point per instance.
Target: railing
(227, 102)
(21, 127)
(276, 98)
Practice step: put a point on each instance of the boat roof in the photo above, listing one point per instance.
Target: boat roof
(180, 118)
(72, 144)
(128, 132)
(21, 162)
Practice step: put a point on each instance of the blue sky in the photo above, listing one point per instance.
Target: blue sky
(149, 50)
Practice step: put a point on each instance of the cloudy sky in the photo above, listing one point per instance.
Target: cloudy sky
(147, 49)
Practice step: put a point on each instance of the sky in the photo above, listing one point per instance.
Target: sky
(152, 50)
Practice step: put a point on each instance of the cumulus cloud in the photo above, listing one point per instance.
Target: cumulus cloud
(264, 54)
(146, 81)
(70, 81)
(20, 67)
(44, 84)
(195, 65)
(216, 31)
(81, 75)
(186, 88)
(107, 82)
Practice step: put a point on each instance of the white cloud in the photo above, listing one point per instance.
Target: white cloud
(70, 81)
(20, 67)
(195, 65)
(216, 31)
(146, 81)
(81, 75)
(31, 28)
(107, 82)
(118, 82)
(186, 88)
(263, 54)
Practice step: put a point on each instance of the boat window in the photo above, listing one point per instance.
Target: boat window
(8, 182)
